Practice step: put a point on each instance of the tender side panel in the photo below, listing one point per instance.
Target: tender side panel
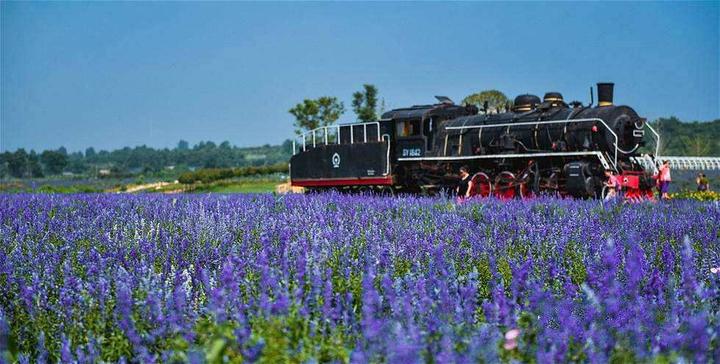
(338, 165)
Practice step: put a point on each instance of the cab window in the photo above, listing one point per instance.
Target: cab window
(407, 128)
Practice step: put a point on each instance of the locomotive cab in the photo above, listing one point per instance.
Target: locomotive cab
(415, 129)
(411, 141)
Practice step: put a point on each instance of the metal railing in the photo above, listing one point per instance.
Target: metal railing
(681, 163)
(566, 121)
(312, 134)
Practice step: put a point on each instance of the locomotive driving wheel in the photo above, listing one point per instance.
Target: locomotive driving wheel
(505, 186)
(481, 185)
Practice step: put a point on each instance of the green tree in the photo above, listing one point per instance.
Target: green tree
(365, 103)
(314, 113)
(183, 145)
(496, 100)
(90, 152)
(17, 163)
(54, 161)
(33, 163)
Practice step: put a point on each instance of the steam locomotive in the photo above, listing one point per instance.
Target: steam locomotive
(530, 148)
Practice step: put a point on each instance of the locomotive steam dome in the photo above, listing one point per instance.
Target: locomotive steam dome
(553, 97)
(526, 102)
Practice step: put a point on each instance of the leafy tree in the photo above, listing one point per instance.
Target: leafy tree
(311, 114)
(3, 164)
(54, 161)
(33, 163)
(90, 152)
(365, 103)
(17, 163)
(183, 145)
(496, 100)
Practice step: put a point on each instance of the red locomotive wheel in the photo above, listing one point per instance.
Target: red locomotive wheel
(481, 185)
(505, 188)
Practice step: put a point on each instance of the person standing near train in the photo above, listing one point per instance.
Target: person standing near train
(612, 185)
(465, 184)
(664, 180)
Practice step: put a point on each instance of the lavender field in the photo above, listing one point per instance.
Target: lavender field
(332, 278)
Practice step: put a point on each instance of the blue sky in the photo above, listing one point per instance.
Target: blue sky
(110, 75)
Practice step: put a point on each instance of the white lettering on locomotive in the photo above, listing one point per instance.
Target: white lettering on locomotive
(414, 152)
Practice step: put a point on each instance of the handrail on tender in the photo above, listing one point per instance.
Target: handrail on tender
(310, 134)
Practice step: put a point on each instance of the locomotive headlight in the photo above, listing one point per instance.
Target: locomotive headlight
(639, 123)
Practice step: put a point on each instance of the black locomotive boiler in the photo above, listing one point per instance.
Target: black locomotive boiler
(534, 147)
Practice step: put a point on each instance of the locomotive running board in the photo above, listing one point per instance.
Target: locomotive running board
(599, 155)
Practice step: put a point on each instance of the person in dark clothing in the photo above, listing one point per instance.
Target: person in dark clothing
(465, 184)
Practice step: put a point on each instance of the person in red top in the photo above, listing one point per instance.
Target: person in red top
(612, 185)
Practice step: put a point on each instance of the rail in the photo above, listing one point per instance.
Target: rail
(566, 121)
(681, 162)
(311, 134)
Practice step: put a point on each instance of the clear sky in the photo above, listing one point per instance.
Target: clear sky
(108, 75)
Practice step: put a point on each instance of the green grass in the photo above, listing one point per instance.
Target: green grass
(259, 186)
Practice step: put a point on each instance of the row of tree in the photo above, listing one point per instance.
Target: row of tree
(141, 159)
(23, 164)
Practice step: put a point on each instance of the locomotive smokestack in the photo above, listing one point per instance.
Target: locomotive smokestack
(605, 93)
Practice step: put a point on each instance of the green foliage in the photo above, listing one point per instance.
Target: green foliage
(54, 161)
(688, 138)
(496, 100)
(79, 188)
(314, 113)
(216, 174)
(141, 160)
(365, 103)
(16, 162)
(574, 263)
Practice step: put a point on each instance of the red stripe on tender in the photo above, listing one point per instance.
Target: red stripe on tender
(342, 182)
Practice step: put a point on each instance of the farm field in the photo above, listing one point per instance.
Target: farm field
(327, 277)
